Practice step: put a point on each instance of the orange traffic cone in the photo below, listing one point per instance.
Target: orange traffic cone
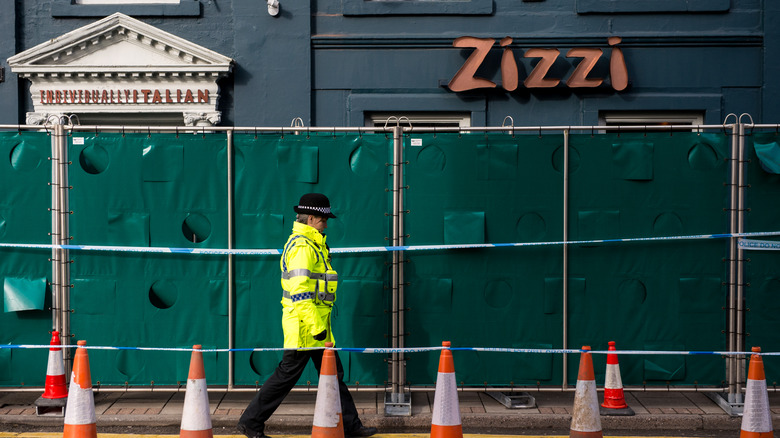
(328, 422)
(585, 421)
(614, 399)
(80, 420)
(756, 418)
(55, 371)
(196, 417)
(446, 410)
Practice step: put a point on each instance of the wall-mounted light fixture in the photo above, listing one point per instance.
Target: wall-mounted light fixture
(273, 7)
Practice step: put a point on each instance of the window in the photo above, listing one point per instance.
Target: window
(651, 118)
(417, 7)
(124, 2)
(130, 119)
(633, 6)
(135, 8)
(419, 119)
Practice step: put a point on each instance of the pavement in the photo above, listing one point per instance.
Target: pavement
(678, 412)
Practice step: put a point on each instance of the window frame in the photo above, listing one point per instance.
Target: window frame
(652, 118)
(417, 7)
(426, 118)
(70, 8)
(634, 6)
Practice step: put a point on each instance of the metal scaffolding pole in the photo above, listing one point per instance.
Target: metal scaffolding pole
(740, 286)
(565, 254)
(231, 268)
(60, 233)
(56, 322)
(65, 285)
(397, 402)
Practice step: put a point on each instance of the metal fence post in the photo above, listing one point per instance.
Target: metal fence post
(565, 254)
(231, 268)
(60, 235)
(56, 322)
(398, 402)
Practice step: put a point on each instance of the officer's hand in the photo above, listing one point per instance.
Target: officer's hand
(321, 336)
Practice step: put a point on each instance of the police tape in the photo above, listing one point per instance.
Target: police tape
(371, 350)
(759, 244)
(370, 249)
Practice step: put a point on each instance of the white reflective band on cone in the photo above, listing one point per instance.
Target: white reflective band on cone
(55, 366)
(80, 408)
(613, 380)
(756, 416)
(196, 414)
(446, 411)
(586, 417)
(327, 399)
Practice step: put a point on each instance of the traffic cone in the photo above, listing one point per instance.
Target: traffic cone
(328, 422)
(55, 371)
(585, 421)
(614, 399)
(80, 420)
(446, 410)
(756, 418)
(196, 418)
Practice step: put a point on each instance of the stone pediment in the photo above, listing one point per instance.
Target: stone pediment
(122, 65)
(118, 43)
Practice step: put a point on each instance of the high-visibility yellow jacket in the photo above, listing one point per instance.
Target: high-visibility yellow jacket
(309, 288)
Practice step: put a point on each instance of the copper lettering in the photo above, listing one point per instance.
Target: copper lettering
(156, 98)
(618, 73)
(537, 77)
(508, 66)
(188, 97)
(464, 79)
(168, 96)
(579, 78)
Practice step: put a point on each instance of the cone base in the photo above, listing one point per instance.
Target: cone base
(746, 434)
(196, 433)
(80, 431)
(328, 432)
(447, 431)
(624, 412)
(578, 434)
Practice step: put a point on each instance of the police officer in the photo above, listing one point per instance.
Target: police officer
(309, 290)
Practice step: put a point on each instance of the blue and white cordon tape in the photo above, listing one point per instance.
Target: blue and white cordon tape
(743, 243)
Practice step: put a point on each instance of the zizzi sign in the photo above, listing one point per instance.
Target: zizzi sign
(123, 96)
(465, 78)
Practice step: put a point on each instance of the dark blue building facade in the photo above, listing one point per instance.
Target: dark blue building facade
(348, 62)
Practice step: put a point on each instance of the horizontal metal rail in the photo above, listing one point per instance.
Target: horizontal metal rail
(387, 129)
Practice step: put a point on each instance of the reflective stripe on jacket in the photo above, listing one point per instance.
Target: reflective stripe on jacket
(306, 305)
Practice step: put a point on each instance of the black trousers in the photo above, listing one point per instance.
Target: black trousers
(276, 388)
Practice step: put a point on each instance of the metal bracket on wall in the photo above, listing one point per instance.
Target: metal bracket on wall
(398, 404)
